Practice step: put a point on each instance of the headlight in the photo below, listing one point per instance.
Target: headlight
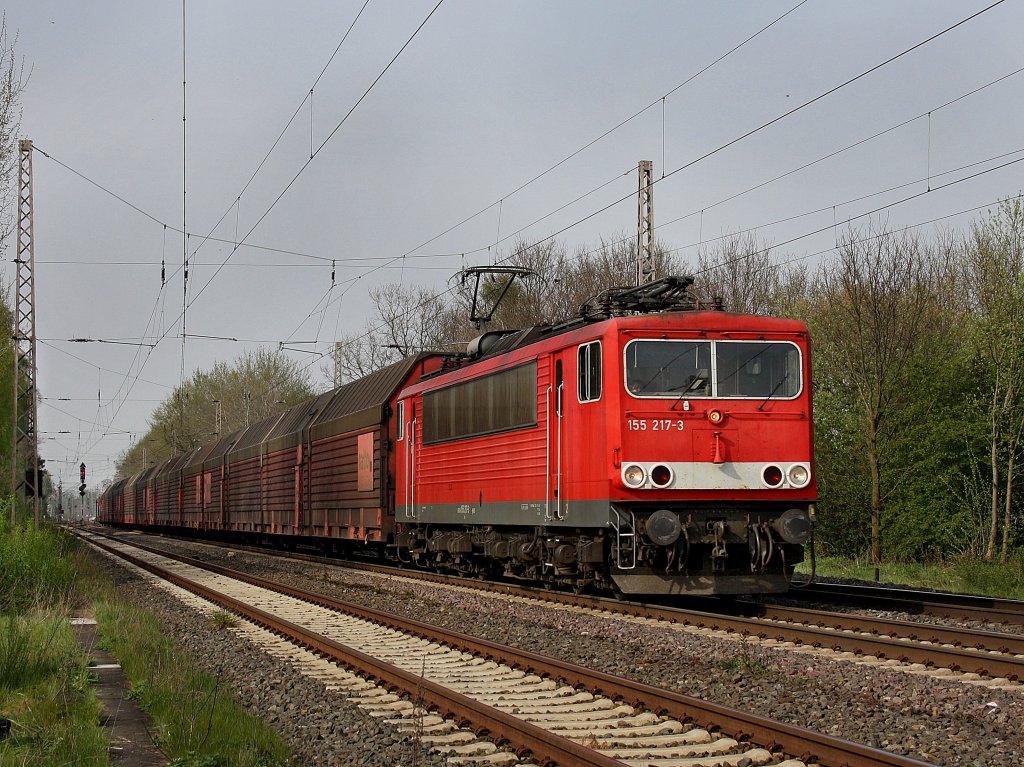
(661, 475)
(634, 475)
(772, 476)
(799, 475)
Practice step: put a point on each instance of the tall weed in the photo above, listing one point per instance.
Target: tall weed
(35, 566)
(29, 650)
(45, 692)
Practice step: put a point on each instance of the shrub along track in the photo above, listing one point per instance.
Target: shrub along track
(592, 719)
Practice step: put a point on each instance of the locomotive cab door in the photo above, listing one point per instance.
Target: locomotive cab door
(555, 403)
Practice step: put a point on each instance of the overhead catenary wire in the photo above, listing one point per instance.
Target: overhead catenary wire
(860, 198)
(184, 228)
(197, 296)
(238, 198)
(858, 241)
(759, 128)
(362, 259)
(187, 303)
(602, 136)
(789, 241)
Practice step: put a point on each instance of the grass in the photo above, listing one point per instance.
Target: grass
(969, 576)
(198, 723)
(45, 684)
(35, 566)
(222, 619)
(45, 691)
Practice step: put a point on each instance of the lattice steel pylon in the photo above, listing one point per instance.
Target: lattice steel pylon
(25, 436)
(645, 271)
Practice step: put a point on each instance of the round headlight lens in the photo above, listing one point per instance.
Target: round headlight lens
(661, 475)
(772, 476)
(634, 475)
(799, 475)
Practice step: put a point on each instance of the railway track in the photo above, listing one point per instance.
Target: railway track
(556, 712)
(988, 658)
(941, 604)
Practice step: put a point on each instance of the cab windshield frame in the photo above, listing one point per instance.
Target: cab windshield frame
(690, 368)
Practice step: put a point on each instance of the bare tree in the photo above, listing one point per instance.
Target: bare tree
(993, 272)
(407, 320)
(881, 304)
(743, 272)
(13, 81)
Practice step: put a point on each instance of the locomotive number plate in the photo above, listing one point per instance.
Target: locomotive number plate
(653, 424)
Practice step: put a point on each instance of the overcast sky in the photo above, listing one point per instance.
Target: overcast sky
(486, 96)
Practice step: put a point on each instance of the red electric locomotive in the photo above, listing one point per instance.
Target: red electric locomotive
(648, 447)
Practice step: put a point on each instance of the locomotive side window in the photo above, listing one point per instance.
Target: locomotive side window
(668, 368)
(588, 372)
(757, 369)
(493, 403)
(400, 421)
(716, 369)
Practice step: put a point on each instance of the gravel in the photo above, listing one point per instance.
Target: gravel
(320, 726)
(932, 719)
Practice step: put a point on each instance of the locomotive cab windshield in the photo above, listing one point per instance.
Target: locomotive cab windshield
(661, 368)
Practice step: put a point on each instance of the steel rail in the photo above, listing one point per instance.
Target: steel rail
(921, 632)
(528, 740)
(941, 604)
(806, 744)
(881, 644)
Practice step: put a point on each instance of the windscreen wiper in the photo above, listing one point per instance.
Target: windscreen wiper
(772, 392)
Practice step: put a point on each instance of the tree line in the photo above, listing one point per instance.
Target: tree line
(918, 362)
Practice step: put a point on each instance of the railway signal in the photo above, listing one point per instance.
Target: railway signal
(81, 477)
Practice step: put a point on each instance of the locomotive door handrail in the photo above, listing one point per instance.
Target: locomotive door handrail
(410, 473)
(559, 412)
(553, 463)
(547, 454)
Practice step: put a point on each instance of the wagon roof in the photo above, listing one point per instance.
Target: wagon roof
(371, 391)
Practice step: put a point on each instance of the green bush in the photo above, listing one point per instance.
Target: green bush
(27, 651)
(35, 566)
